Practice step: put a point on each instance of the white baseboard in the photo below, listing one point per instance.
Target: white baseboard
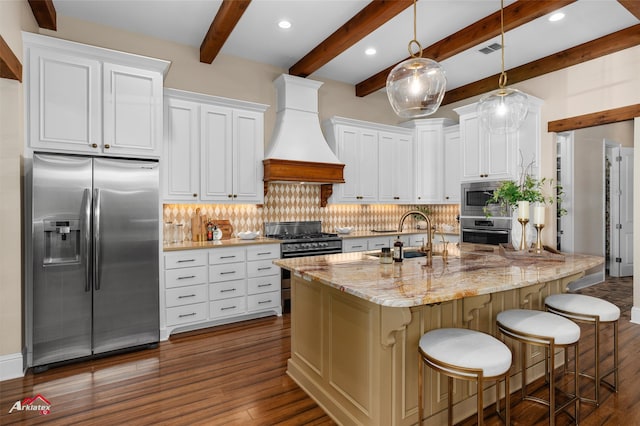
(11, 366)
(635, 315)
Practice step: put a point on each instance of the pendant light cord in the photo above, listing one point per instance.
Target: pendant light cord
(502, 81)
(415, 35)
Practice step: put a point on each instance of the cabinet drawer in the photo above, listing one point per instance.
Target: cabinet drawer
(185, 276)
(185, 259)
(263, 301)
(262, 268)
(271, 251)
(227, 307)
(221, 256)
(227, 289)
(232, 271)
(378, 243)
(186, 295)
(356, 244)
(263, 284)
(186, 314)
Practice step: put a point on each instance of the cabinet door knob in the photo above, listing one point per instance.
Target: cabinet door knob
(446, 198)
(195, 195)
(107, 146)
(230, 196)
(94, 145)
(396, 198)
(235, 195)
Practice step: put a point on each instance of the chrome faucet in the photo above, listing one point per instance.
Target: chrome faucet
(428, 246)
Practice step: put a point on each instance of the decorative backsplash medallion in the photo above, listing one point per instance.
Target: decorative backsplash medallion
(295, 202)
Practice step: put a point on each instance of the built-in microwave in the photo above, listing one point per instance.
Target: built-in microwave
(475, 200)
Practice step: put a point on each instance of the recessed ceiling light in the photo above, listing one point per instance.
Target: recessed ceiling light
(556, 17)
(284, 24)
(370, 51)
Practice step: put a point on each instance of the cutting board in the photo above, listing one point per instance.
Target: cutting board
(226, 228)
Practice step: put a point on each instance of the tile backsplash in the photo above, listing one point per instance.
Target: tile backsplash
(295, 202)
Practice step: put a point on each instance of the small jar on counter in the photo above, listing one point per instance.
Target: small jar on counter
(385, 256)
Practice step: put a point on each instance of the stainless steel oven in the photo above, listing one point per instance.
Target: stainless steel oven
(300, 239)
(485, 230)
(474, 201)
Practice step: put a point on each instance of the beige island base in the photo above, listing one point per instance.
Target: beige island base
(355, 326)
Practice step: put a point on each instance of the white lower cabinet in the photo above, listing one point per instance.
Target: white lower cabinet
(209, 287)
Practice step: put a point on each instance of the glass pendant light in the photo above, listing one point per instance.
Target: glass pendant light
(415, 87)
(504, 110)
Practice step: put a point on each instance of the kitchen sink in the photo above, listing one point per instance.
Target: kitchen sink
(409, 254)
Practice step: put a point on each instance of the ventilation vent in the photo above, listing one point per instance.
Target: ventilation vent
(491, 48)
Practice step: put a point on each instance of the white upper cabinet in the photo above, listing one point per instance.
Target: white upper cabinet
(180, 179)
(431, 161)
(395, 179)
(214, 149)
(452, 160)
(498, 157)
(132, 111)
(357, 147)
(85, 99)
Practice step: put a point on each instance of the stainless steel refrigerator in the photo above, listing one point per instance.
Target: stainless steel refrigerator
(92, 253)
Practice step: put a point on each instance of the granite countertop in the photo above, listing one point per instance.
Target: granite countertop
(410, 283)
(233, 242)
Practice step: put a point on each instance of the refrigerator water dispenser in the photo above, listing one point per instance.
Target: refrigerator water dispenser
(61, 241)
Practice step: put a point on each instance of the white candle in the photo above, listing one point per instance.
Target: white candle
(523, 210)
(538, 214)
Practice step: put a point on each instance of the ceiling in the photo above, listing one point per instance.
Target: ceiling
(256, 35)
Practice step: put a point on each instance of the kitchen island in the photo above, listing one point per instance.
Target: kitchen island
(356, 323)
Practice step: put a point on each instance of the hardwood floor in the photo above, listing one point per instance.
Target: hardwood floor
(235, 375)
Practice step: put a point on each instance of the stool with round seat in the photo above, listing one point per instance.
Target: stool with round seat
(552, 332)
(590, 310)
(468, 355)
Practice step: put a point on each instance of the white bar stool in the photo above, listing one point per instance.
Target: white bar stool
(591, 310)
(469, 355)
(551, 331)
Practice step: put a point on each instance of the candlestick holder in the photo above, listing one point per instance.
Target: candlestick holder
(523, 241)
(539, 247)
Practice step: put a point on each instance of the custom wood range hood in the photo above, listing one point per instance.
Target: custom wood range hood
(298, 151)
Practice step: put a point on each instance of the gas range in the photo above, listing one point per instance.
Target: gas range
(303, 238)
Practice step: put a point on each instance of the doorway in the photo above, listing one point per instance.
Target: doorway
(595, 173)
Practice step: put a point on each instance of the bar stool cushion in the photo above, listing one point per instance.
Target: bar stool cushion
(468, 349)
(584, 305)
(541, 324)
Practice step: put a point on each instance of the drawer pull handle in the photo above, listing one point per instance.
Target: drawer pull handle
(264, 285)
(227, 290)
(186, 295)
(186, 260)
(226, 308)
(262, 302)
(379, 244)
(227, 257)
(186, 277)
(227, 273)
(263, 253)
(192, 314)
(264, 268)
(356, 246)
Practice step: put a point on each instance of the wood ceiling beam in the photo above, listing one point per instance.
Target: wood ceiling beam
(370, 18)
(606, 45)
(224, 22)
(10, 66)
(632, 6)
(45, 13)
(515, 15)
(595, 119)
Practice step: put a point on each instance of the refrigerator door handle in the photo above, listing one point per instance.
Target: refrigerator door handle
(86, 237)
(96, 238)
